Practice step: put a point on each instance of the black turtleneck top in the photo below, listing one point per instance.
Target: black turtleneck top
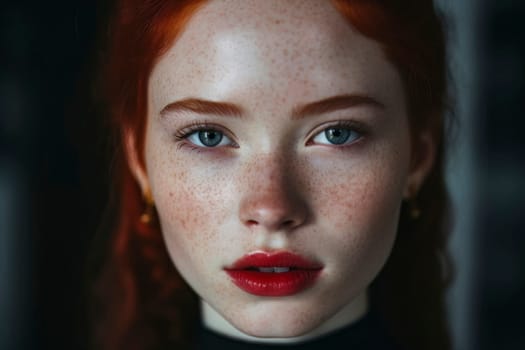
(366, 333)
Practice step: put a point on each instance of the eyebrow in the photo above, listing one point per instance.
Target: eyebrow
(227, 109)
(199, 106)
(333, 104)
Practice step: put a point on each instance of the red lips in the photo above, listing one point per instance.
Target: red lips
(273, 274)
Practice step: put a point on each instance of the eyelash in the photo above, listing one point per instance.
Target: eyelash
(183, 134)
(351, 125)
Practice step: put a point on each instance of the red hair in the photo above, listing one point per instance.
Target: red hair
(144, 303)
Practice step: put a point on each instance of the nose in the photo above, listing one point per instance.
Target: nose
(270, 200)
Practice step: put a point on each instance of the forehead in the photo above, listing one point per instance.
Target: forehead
(303, 46)
(287, 17)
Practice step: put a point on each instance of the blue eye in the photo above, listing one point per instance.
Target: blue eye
(208, 138)
(336, 135)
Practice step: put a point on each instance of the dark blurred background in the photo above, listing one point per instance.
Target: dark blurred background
(54, 172)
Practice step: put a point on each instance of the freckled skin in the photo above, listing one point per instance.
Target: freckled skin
(218, 204)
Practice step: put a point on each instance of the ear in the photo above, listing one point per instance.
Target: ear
(133, 159)
(423, 154)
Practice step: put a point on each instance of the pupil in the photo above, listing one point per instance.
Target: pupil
(210, 138)
(337, 136)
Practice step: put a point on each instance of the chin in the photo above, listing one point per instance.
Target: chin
(275, 332)
(262, 331)
(277, 321)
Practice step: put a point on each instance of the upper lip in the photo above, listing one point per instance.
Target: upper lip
(274, 259)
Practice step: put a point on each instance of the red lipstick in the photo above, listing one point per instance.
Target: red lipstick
(273, 274)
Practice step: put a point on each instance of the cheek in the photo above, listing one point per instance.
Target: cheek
(358, 203)
(359, 195)
(366, 200)
(190, 206)
(359, 218)
(186, 203)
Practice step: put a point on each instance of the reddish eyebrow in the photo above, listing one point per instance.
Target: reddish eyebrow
(227, 109)
(335, 103)
(203, 107)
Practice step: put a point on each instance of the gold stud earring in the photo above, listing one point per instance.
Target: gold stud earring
(147, 215)
(413, 208)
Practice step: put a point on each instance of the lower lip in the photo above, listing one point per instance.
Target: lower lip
(274, 284)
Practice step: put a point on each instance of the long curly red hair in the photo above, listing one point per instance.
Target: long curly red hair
(142, 302)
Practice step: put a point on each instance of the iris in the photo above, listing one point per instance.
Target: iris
(337, 136)
(210, 138)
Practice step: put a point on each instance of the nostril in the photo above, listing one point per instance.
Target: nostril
(251, 223)
(288, 223)
(284, 224)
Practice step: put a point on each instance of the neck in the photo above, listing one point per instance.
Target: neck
(347, 315)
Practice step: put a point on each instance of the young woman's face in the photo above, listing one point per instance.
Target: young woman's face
(274, 128)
